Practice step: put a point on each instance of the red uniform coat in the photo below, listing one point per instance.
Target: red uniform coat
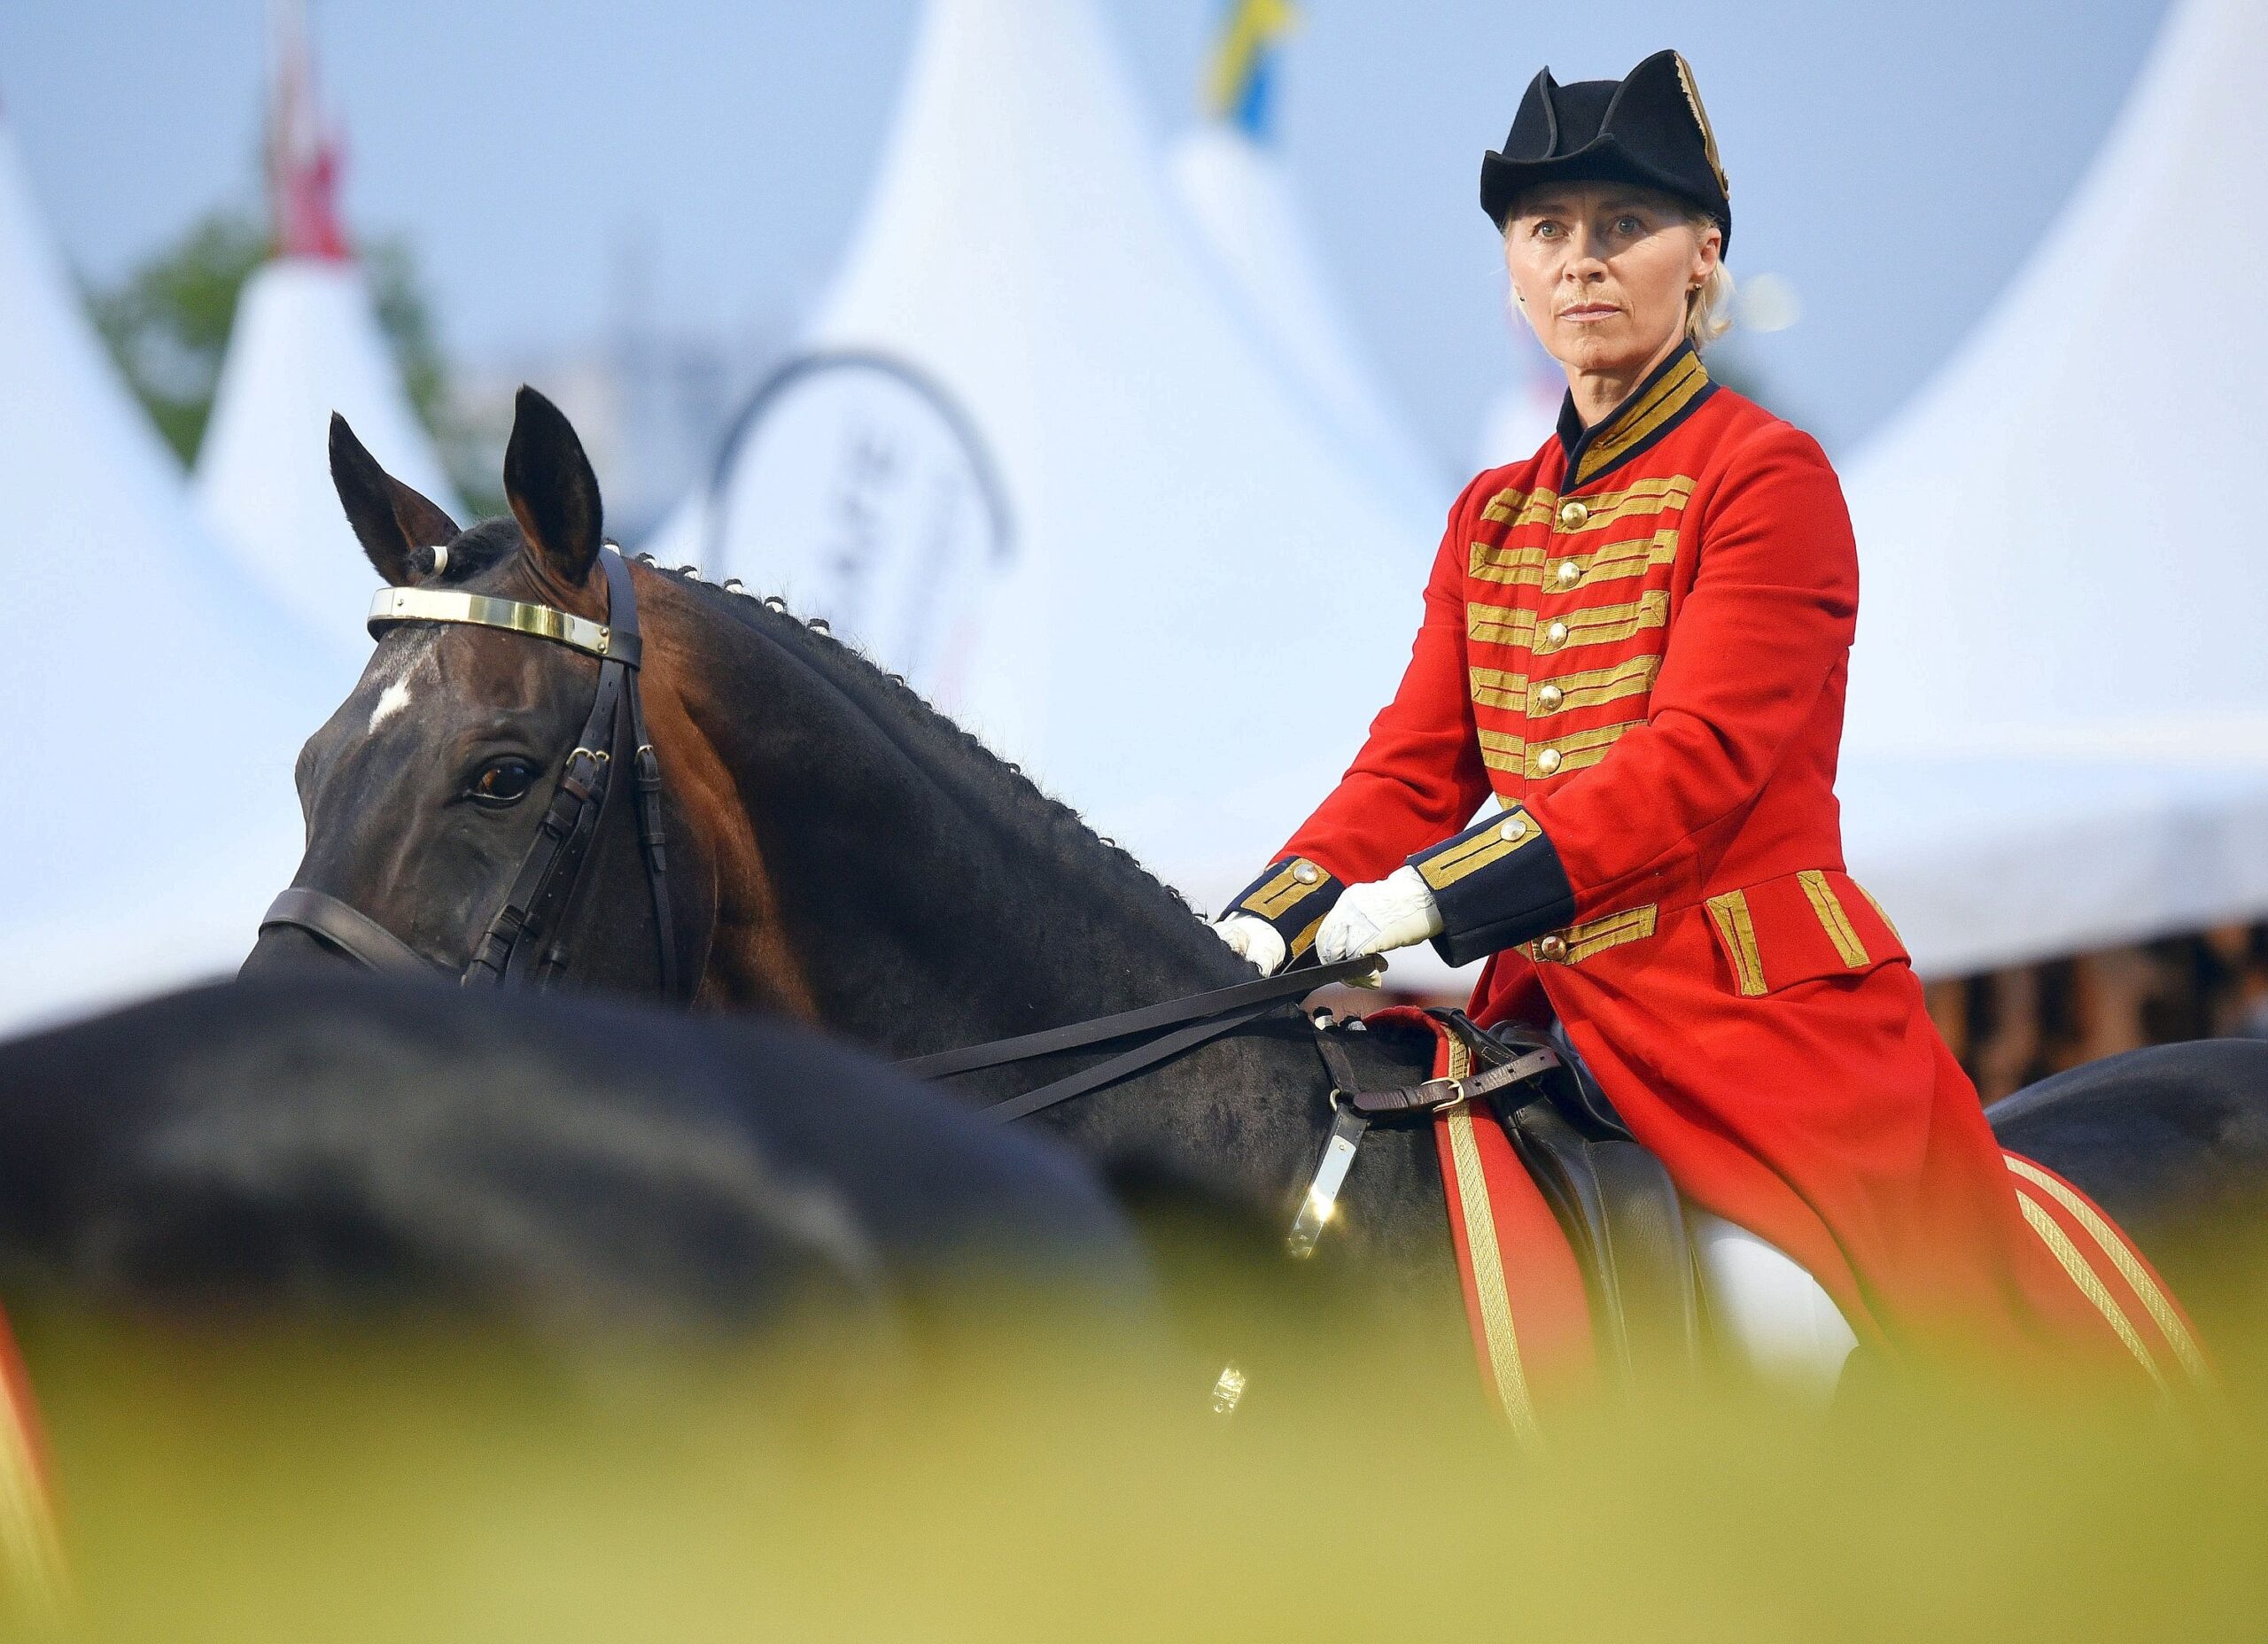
(1637, 639)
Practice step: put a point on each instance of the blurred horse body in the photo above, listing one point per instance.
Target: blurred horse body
(585, 1173)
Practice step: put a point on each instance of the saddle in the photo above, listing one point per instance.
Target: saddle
(1613, 1198)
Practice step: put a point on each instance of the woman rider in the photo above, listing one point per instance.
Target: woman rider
(1637, 639)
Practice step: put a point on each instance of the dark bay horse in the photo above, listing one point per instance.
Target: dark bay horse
(846, 856)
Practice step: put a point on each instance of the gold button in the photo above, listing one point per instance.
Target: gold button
(1548, 697)
(1556, 634)
(1307, 872)
(1553, 947)
(1548, 761)
(1574, 516)
(1516, 828)
(1569, 573)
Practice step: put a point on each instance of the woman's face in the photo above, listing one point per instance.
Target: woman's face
(1603, 270)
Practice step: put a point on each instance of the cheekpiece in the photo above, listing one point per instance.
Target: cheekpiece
(1648, 128)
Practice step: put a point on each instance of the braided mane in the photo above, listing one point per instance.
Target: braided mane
(885, 693)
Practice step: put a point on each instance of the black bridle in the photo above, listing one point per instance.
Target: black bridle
(525, 942)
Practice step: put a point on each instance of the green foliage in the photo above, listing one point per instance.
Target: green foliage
(167, 326)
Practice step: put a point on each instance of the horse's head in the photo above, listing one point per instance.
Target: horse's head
(837, 849)
(426, 791)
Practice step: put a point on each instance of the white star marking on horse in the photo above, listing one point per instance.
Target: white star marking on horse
(392, 700)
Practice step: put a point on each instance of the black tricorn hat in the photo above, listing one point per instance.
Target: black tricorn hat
(1648, 128)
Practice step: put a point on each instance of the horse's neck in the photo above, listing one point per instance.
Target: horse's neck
(931, 899)
(928, 895)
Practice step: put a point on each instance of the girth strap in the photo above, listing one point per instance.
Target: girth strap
(1432, 1095)
(1353, 1110)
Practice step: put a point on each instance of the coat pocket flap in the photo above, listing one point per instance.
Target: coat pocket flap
(1800, 927)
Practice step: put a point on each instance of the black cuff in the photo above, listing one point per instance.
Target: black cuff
(1497, 883)
(1292, 895)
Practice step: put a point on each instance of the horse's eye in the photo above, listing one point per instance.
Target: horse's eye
(502, 782)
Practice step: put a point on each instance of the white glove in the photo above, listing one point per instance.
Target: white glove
(1256, 941)
(1389, 912)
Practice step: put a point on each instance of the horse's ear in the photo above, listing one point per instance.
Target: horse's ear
(391, 520)
(553, 492)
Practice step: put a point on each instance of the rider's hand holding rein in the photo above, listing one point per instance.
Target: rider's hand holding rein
(1253, 941)
(1391, 912)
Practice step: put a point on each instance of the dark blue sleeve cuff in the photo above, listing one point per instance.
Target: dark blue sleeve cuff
(1497, 883)
(1293, 895)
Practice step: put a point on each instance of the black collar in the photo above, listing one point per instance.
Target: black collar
(1665, 398)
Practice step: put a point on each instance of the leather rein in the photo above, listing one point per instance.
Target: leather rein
(524, 944)
(1170, 1029)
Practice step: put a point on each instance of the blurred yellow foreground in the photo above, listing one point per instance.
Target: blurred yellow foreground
(303, 1486)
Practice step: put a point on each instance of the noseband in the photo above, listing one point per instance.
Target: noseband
(524, 942)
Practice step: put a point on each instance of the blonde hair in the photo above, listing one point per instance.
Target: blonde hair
(1709, 306)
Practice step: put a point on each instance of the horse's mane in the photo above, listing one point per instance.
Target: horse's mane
(962, 756)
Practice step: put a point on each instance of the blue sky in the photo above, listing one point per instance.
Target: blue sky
(1896, 162)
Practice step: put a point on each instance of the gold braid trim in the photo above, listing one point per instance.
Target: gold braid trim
(1730, 910)
(2091, 1286)
(2154, 1300)
(1504, 1367)
(1837, 923)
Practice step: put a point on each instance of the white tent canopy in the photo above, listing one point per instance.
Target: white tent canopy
(1996, 512)
(306, 343)
(155, 701)
(2058, 732)
(1206, 599)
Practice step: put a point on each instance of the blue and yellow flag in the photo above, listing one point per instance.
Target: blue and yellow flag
(1238, 86)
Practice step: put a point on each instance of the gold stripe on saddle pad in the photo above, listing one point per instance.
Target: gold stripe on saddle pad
(2112, 1246)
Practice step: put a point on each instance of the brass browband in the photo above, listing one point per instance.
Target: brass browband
(390, 606)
